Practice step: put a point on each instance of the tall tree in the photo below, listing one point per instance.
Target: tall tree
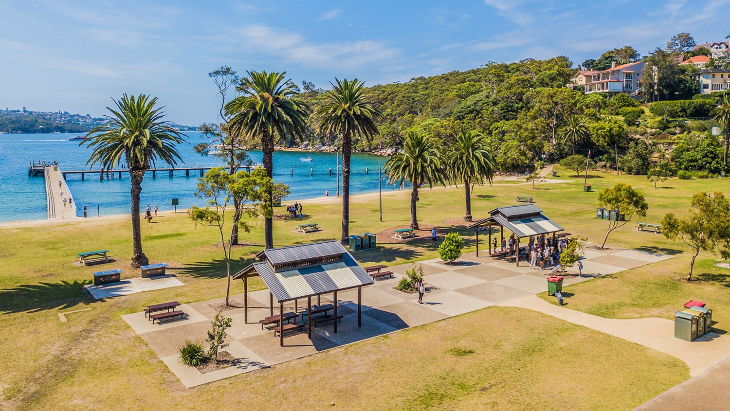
(348, 112)
(419, 163)
(722, 116)
(471, 162)
(267, 111)
(135, 134)
(550, 108)
(681, 43)
(575, 131)
(626, 201)
(707, 226)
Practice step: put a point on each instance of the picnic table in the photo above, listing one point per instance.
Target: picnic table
(105, 277)
(404, 233)
(274, 319)
(153, 270)
(93, 257)
(307, 228)
(657, 228)
(374, 271)
(522, 199)
(322, 309)
(169, 306)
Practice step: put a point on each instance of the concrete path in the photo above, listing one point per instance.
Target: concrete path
(56, 192)
(654, 333)
(546, 170)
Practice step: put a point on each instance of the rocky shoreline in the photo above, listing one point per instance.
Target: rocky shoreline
(321, 148)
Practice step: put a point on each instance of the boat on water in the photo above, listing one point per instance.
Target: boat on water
(306, 159)
(77, 138)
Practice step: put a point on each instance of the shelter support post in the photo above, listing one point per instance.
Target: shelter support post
(335, 303)
(490, 239)
(477, 231)
(501, 236)
(271, 304)
(309, 317)
(517, 253)
(245, 298)
(296, 304)
(281, 324)
(359, 307)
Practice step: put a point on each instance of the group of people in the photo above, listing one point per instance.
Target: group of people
(70, 200)
(539, 248)
(294, 210)
(148, 213)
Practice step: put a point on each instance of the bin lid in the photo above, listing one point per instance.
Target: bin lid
(555, 278)
(703, 310)
(693, 303)
(693, 312)
(683, 315)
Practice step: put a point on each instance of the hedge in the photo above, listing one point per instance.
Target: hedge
(683, 108)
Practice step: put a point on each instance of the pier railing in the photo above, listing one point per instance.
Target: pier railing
(50, 200)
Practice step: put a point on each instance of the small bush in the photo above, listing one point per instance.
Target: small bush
(701, 174)
(671, 132)
(414, 275)
(404, 285)
(192, 353)
(684, 175)
(450, 248)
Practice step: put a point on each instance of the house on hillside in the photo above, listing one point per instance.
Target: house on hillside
(698, 61)
(718, 49)
(623, 78)
(714, 80)
(580, 78)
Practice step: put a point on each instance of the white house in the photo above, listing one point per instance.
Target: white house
(618, 79)
(718, 49)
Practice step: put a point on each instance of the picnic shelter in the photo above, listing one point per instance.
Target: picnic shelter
(306, 271)
(522, 220)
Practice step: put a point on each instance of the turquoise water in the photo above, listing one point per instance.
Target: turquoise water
(23, 197)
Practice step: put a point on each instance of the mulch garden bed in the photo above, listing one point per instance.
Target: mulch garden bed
(423, 233)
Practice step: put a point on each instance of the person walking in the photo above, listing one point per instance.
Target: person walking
(433, 236)
(64, 202)
(580, 268)
(155, 210)
(421, 285)
(300, 210)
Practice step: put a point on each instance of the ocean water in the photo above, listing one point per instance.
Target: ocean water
(23, 197)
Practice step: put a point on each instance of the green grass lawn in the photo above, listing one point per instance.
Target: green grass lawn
(95, 361)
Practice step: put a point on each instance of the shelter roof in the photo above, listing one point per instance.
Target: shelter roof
(523, 220)
(302, 252)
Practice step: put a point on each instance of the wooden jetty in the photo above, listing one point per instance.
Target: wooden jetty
(170, 171)
(37, 168)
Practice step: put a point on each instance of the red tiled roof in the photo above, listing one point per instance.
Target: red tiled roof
(697, 59)
(622, 66)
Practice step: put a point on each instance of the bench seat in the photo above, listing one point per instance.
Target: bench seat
(289, 328)
(168, 315)
(325, 319)
(381, 274)
(161, 307)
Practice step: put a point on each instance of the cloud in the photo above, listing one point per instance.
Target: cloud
(331, 15)
(293, 47)
(511, 10)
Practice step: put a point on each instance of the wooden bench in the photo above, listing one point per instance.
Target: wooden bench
(288, 328)
(499, 255)
(153, 270)
(106, 277)
(168, 315)
(381, 274)
(404, 233)
(521, 199)
(274, 319)
(99, 256)
(170, 306)
(325, 319)
(308, 228)
(657, 228)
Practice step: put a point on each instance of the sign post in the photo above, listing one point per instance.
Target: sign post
(175, 202)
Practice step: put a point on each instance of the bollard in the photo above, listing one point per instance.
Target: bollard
(366, 171)
(292, 172)
(311, 172)
(154, 174)
(330, 170)
(85, 212)
(170, 173)
(97, 211)
(82, 176)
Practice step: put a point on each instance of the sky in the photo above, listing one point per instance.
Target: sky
(76, 56)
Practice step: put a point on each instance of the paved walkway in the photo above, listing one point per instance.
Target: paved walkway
(472, 284)
(654, 333)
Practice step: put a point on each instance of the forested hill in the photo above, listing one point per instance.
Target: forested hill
(35, 124)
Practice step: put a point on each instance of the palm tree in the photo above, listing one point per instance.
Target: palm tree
(575, 131)
(135, 134)
(346, 111)
(267, 111)
(722, 116)
(470, 162)
(418, 163)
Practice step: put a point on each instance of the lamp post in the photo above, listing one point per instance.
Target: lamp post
(380, 193)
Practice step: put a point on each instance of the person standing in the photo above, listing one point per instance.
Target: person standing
(533, 258)
(64, 202)
(433, 236)
(495, 245)
(300, 210)
(504, 244)
(421, 285)
(155, 210)
(580, 268)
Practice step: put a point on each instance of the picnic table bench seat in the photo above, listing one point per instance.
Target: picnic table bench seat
(657, 228)
(161, 307)
(306, 228)
(168, 315)
(288, 328)
(380, 274)
(404, 233)
(524, 199)
(325, 319)
(93, 257)
(274, 319)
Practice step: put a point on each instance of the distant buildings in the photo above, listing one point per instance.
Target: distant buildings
(718, 49)
(623, 78)
(698, 61)
(714, 80)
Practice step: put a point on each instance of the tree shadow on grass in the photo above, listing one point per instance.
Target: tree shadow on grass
(658, 250)
(387, 254)
(43, 296)
(721, 279)
(213, 269)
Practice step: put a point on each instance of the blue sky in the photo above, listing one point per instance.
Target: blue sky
(76, 55)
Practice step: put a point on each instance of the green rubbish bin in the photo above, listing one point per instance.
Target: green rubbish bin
(365, 241)
(355, 243)
(555, 173)
(555, 284)
(586, 188)
(706, 315)
(700, 321)
(599, 212)
(373, 243)
(685, 326)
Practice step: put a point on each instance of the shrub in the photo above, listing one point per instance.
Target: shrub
(684, 175)
(683, 108)
(192, 353)
(414, 275)
(450, 248)
(404, 285)
(217, 334)
(701, 174)
(622, 100)
(631, 114)
(671, 132)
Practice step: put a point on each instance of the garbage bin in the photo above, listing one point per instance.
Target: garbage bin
(555, 173)
(706, 314)
(355, 243)
(373, 243)
(693, 303)
(685, 326)
(599, 212)
(555, 284)
(605, 214)
(586, 188)
(613, 215)
(365, 241)
(700, 321)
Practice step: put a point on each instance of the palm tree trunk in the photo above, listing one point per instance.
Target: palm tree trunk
(467, 192)
(138, 257)
(267, 147)
(414, 199)
(346, 153)
(727, 137)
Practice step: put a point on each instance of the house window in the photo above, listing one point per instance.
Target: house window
(713, 76)
(629, 76)
(705, 86)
